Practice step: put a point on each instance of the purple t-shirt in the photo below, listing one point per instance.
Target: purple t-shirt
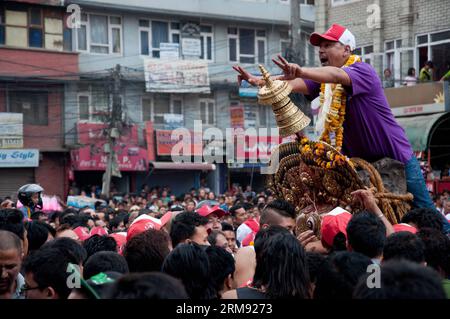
(370, 129)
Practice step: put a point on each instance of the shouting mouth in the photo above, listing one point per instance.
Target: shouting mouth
(324, 61)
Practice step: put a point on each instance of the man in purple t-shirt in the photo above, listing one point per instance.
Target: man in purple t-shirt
(370, 129)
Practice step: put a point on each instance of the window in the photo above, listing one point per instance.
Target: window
(247, 45)
(392, 59)
(155, 106)
(100, 34)
(434, 47)
(367, 54)
(285, 43)
(2, 26)
(35, 33)
(264, 115)
(310, 2)
(206, 39)
(93, 103)
(32, 104)
(16, 30)
(153, 33)
(341, 2)
(207, 111)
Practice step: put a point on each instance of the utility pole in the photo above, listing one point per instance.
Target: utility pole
(115, 121)
(296, 40)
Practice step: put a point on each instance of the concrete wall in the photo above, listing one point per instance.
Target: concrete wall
(267, 11)
(400, 19)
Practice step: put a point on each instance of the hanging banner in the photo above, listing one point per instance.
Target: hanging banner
(11, 130)
(237, 115)
(182, 76)
(92, 156)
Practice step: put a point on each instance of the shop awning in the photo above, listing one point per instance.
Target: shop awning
(419, 129)
(182, 166)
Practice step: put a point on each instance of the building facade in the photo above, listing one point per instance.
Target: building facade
(398, 35)
(35, 64)
(217, 33)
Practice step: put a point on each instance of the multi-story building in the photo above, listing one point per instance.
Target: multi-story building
(35, 64)
(217, 33)
(397, 34)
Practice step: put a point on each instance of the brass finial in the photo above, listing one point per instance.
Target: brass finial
(290, 119)
(266, 76)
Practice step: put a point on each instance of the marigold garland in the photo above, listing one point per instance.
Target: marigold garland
(335, 117)
(333, 123)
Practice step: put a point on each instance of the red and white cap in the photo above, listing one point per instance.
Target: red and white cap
(333, 223)
(145, 222)
(404, 227)
(336, 33)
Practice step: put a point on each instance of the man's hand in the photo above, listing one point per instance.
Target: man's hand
(290, 70)
(307, 237)
(367, 199)
(245, 75)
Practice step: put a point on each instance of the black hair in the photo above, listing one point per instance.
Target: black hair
(49, 268)
(115, 222)
(98, 243)
(234, 208)
(314, 261)
(366, 234)
(280, 207)
(35, 215)
(222, 265)
(146, 251)
(339, 242)
(212, 237)
(69, 247)
(338, 276)
(280, 264)
(404, 245)
(190, 263)
(67, 212)
(401, 279)
(183, 226)
(227, 227)
(424, 217)
(12, 220)
(429, 63)
(50, 229)
(437, 250)
(247, 206)
(104, 261)
(151, 285)
(37, 234)
(411, 71)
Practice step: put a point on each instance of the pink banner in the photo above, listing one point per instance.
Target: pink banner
(91, 157)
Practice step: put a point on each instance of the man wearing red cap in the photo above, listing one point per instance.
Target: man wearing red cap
(370, 129)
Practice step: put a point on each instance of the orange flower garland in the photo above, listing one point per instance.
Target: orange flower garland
(335, 117)
(333, 123)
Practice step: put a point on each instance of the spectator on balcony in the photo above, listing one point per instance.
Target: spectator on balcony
(388, 80)
(425, 74)
(411, 78)
(446, 76)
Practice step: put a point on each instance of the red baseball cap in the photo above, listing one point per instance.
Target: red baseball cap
(143, 223)
(82, 233)
(98, 230)
(121, 240)
(333, 223)
(336, 33)
(404, 227)
(206, 210)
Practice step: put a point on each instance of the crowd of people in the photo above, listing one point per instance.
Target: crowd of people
(239, 245)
